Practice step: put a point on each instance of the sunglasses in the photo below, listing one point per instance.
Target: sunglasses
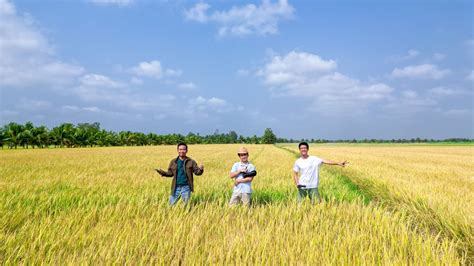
(242, 154)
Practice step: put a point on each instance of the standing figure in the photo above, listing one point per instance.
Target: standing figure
(182, 169)
(243, 173)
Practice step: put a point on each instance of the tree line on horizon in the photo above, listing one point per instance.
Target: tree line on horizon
(68, 135)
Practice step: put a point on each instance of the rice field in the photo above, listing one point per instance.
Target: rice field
(392, 205)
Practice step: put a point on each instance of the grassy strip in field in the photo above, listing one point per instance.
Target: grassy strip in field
(455, 227)
(338, 187)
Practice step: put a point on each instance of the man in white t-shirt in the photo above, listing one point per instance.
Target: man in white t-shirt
(243, 173)
(308, 169)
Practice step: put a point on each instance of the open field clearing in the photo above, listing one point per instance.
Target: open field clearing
(392, 205)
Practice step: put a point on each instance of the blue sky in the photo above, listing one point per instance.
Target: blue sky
(306, 69)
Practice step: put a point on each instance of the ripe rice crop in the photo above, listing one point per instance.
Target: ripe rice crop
(107, 205)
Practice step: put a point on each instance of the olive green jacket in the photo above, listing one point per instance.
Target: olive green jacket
(190, 168)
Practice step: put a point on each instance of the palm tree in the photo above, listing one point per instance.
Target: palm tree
(40, 136)
(63, 135)
(12, 133)
(25, 138)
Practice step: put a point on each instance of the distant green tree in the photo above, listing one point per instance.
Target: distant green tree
(13, 134)
(269, 137)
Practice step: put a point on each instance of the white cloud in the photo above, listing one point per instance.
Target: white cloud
(187, 86)
(120, 3)
(173, 73)
(424, 71)
(149, 69)
(95, 80)
(244, 20)
(309, 76)
(27, 58)
(470, 76)
(201, 104)
(99, 88)
(198, 12)
(412, 53)
(154, 69)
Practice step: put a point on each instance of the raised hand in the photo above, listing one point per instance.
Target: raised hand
(160, 171)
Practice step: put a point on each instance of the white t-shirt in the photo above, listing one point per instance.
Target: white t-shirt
(247, 186)
(309, 171)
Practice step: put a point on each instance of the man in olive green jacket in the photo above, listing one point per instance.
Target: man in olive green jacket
(182, 169)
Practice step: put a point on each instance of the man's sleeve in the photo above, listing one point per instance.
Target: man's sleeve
(296, 168)
(252, 168)
(196, 169)
(319, 161)
(168, 173)
(234, 168)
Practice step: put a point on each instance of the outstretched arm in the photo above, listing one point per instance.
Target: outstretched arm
(162, 172)
(198, 170)
(329, 162)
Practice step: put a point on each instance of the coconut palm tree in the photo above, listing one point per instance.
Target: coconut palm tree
(63, 135)
(12, 132)
(42, 136)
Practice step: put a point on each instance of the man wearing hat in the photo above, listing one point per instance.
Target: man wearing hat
(243, 173)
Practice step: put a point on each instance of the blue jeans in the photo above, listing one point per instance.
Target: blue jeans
(183, 192)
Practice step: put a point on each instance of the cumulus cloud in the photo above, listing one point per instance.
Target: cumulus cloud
(102, 90)
(154, 69)
(309, 76)
(243, 20)
(27, 58)
(424, 71)
(201, 104)
(198, 12)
